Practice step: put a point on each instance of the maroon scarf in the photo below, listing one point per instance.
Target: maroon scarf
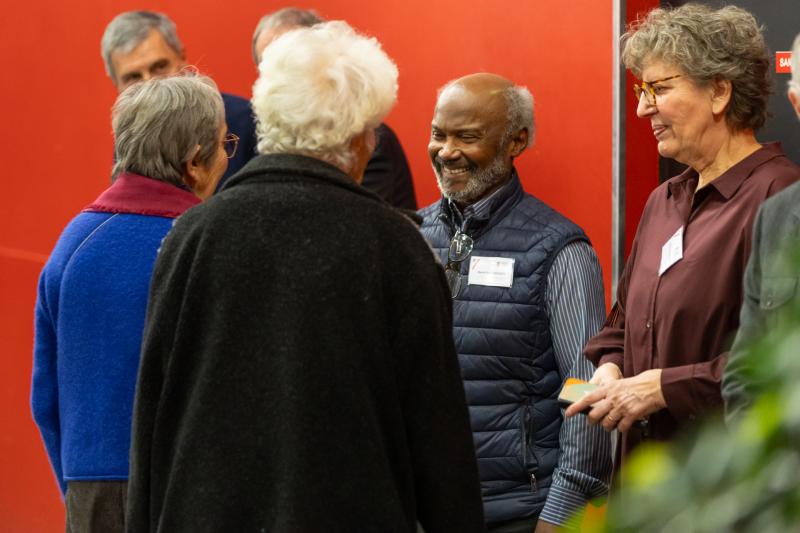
(140, 195)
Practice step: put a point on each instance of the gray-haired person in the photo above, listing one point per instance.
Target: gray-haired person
(704, 88)
(527, 293)
(771, 281)
(298, 370)
(138, 45)
(93, 290)
(388, 174)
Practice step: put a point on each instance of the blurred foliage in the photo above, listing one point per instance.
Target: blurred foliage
(741, 477)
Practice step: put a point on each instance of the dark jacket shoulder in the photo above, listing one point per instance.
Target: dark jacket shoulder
(240, 121)
(304, 192)
(775, 209)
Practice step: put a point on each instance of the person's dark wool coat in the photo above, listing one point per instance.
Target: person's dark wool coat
(298, 370)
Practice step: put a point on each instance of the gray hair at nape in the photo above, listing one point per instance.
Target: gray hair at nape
(129, 29)
(318, 88)
(158, 125)
(519, 103)
(288, 16)
(794, 83)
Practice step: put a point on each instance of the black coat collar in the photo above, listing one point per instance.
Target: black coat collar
(297, 168)
(294, 167)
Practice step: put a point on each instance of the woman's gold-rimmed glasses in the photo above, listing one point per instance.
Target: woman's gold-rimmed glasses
(648, 89)
(229, 143)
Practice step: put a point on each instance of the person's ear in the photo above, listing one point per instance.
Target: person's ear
(795, 101)
(192, 173)
(364, 142)
(721, 93)
(361, 146)
(518, 142)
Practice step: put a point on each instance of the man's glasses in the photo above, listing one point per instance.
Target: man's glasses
(460, 248)
(229, 143)
(648, 89)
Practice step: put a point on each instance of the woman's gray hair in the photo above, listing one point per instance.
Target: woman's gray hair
(794, 83)
(519, 102)
(158, 125)
(128, 29)
(708, 44)
(318, 88)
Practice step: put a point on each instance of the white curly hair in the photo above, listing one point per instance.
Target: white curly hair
(318, 88)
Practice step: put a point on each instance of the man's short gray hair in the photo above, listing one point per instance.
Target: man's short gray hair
(318, 88)
(519, 103)
(158, 125)
(794, 83)
(287, 17)
(708, 44)
(128, 29)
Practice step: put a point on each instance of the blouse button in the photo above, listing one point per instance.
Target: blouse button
(649, 325)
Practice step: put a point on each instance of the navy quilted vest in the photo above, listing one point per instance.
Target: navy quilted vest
(504, 346)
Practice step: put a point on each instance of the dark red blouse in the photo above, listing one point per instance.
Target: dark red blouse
(684, 320)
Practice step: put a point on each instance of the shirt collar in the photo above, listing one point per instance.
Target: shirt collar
(729, 181)
(139, 195)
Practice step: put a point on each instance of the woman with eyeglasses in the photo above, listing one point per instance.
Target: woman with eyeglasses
(171, 149)
(704, 89)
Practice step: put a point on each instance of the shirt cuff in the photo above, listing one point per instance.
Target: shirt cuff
(676, 388)
(615, 358)
(561, 505)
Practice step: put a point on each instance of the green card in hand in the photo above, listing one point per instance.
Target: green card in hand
(573, 390)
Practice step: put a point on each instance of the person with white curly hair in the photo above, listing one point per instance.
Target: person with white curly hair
(298, 370)
(387, 174)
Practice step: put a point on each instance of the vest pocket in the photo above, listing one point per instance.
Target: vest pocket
(529, 462)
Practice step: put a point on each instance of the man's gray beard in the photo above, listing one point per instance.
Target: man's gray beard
(481, 181)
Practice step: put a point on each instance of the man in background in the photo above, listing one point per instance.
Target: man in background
(387, 173)
(138, 45)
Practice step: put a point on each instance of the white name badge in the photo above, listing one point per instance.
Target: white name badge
(672, 251)
(491, 271)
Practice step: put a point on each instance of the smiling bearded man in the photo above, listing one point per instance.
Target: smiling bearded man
(481, 160)
(527, 294)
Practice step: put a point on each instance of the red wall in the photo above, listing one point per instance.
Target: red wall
(641, 153)
(57, 146)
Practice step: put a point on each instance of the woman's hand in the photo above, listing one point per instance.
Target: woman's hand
(619, 403)
(606, 373)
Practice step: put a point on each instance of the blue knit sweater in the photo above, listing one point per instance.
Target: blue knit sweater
(89, 318)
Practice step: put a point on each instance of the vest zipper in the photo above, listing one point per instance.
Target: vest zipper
(534, 484)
